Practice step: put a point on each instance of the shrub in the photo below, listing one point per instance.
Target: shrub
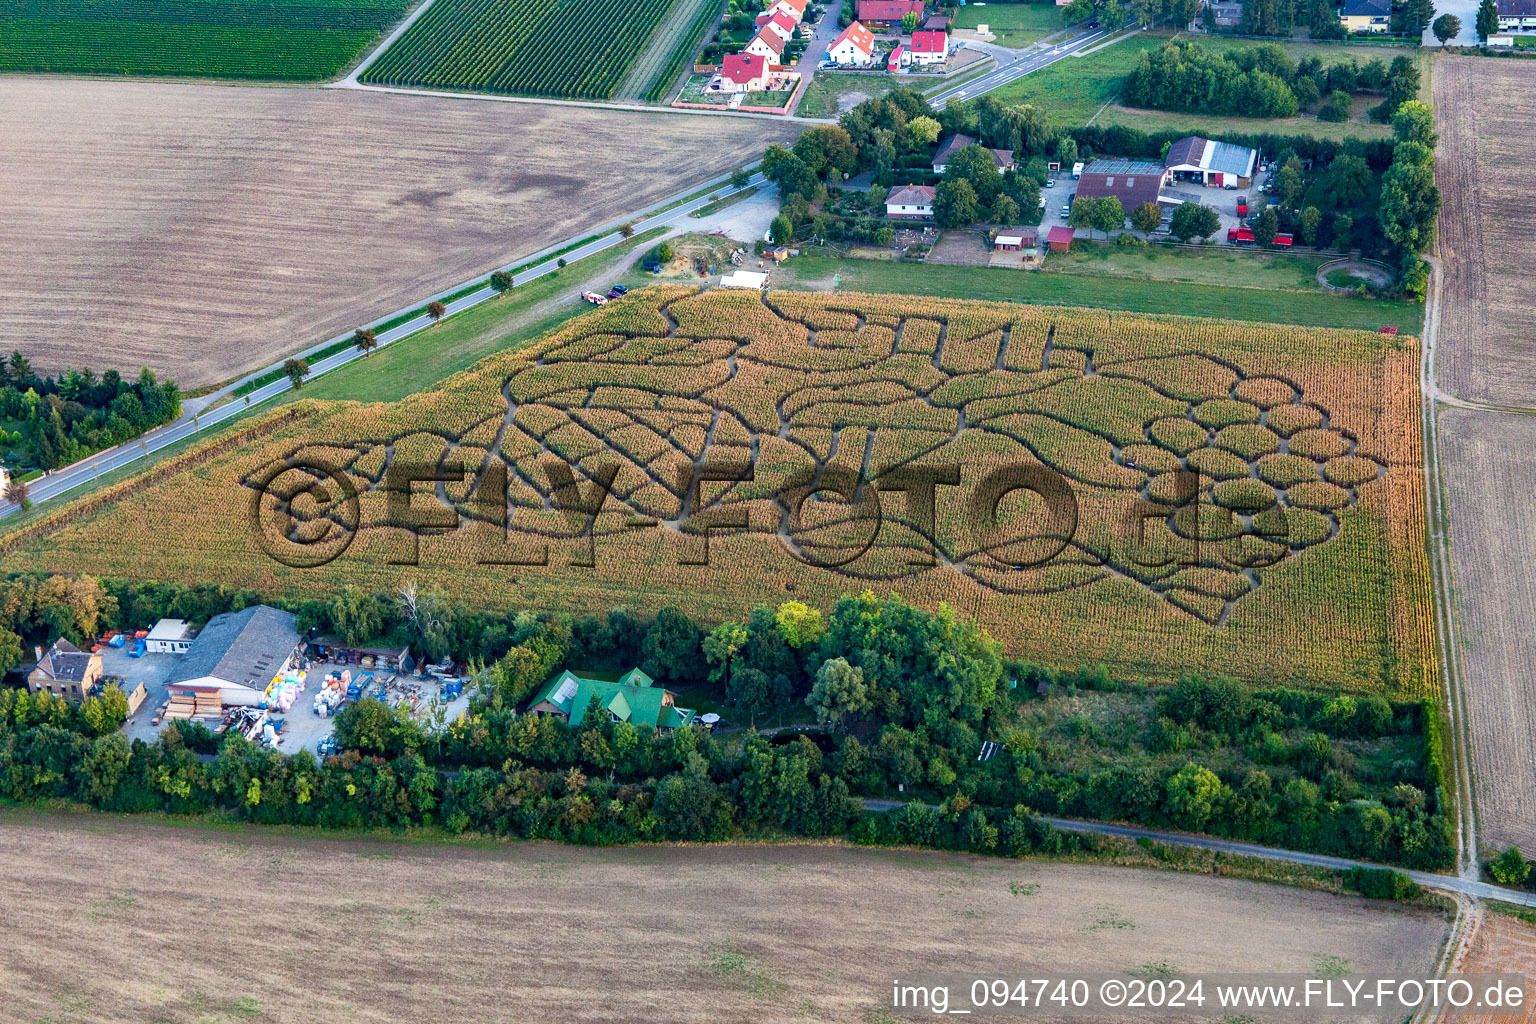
(1380, 883)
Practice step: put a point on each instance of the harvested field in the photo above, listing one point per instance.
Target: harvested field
(1225, 497)
(1485, 459)
(364, 931)
(1487, 237)
(1500, 944)
(204, 231)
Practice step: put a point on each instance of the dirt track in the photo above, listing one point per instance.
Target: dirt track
(1485, 458)
(182, 924)
(206, 230)
(1485, 109)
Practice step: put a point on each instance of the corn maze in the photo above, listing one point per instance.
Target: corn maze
(273, 39)
(577, 49)
(1165, 494)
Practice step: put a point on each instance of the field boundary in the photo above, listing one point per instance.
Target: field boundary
(378, 51)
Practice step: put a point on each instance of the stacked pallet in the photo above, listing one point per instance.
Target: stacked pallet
(182, 706)
(209, 706)
(194, 705)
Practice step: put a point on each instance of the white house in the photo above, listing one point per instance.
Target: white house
(930, 47)
(913, 202)
(780, 24)
(794, 8)
(766, 45)
(170, 636)
(854, 47)
(743, 72)
(1517, 15)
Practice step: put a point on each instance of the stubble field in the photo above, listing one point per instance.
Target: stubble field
(1212, 496)
(1500, 944)
(1485, 109)
(204, 231)
(1485, 458)
(196, 925)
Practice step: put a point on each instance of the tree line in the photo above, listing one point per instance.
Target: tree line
(63, 419)
(903, 698)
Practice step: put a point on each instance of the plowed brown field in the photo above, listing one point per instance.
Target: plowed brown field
(1499, 945)
(205, 230)
(1485, 109)
(184, 924)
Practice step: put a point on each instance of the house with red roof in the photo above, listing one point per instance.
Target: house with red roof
(930, 47)
(744, 72)
(794, 8)
(766, 44)
(780, 24)
(854, 47)
(888, 13)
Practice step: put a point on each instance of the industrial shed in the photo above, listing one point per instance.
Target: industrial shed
(236, 656)
(1213, 163)
(1133, 181)
(338, 651)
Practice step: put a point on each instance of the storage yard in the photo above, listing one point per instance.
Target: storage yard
(516, 932)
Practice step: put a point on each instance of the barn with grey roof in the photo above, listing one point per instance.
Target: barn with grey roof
(1211, 163)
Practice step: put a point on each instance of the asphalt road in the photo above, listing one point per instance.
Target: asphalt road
(195, 419)
(1025, 63)
(1452, 883)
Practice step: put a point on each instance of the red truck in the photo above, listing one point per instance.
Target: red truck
(1242, 206)
(1240, 236)
(1283, 241)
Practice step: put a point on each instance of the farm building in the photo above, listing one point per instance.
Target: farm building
(743, 72)
(780, 24)
(1517, 15)
(854, 46)
(888, 13)
(635, 699)
(930, 47)
(1366, 15)
(170, 636)
(910, 202)
(1060, 238)
(237, 655)
(1133, 181)
(65, 671)
(1016, 239)
(794, 8)
(338, 651)
(766, 45)
(1213, 163)
(955, 143)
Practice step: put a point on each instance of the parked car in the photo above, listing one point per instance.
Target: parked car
(1050, 182)
(1242, 206)
(595, 299)
(614, 293)
(621, 289)
(1066, 211)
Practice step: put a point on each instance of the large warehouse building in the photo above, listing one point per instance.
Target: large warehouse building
(237, 655)
(1212, 163)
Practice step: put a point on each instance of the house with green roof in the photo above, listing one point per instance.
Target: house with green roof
(635, 699)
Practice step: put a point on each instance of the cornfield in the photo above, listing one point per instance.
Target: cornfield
(579, 49)
(721, 449)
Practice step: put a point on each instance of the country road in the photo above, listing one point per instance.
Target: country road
(1451, 883)
(195, 419)
(1025, 63)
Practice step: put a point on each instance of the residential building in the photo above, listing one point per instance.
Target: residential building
(1517, 15)
(65, 671)
(170, 636)
(634, 698)
(237, 655)
(957, 142)
(930, 47)
(766, 45)
(794, 8)
(910, 202)
(1213, 163)
(888, 13)
(1133, 181)
(743, 72)
(1366, 15)
(854, 46)
(780, 24)
(1228, 13)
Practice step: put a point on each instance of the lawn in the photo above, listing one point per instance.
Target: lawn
(1217, 265)
(831, 93)
(275, 39)
(1086, 287)
(1080, 90)
(1014, 24)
